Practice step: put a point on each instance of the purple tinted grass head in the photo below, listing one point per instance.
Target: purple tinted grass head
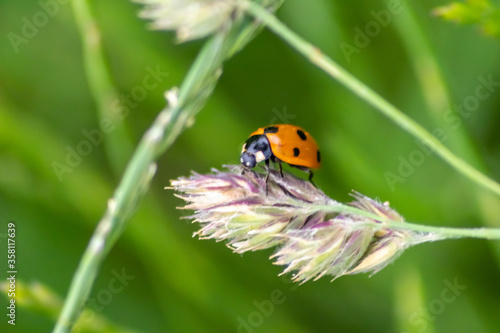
(315, 235)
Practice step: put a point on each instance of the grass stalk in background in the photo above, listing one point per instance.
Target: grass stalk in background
(118, 146)
(367, 94)
(183, 105)
(432, 82)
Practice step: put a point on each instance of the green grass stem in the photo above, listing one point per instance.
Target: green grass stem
(441, 232)
(184, 104)
(117, 144)
(333, 69)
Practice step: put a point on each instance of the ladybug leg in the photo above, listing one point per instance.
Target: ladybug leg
(311, 178)
(305, 170)
(281, 169)
(267, 176)
(274, 159)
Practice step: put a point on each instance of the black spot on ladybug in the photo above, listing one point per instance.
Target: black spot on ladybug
(271, 129)
(296, 151)
(318, 156)
(302, 135)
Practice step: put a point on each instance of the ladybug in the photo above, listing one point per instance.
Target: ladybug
(281, 143)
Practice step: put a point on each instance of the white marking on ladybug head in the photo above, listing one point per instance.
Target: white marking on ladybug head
(259, 156)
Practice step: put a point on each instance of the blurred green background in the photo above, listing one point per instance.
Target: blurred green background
(177, 283)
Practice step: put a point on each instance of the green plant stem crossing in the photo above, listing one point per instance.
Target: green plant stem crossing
(333, 69)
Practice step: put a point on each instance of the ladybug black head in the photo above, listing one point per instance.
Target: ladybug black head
(248, 160)
(256, 149)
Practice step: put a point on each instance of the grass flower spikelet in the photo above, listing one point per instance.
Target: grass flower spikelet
(191, 19)
(315, 235)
